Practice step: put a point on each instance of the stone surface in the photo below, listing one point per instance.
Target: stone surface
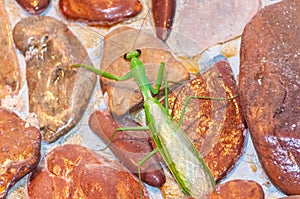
(216, 127)
(10, 82)
(100, 12)
(200, 24)
(72, 171)
(125, 95)
(269, 88)
(20, 149)
(58, 94)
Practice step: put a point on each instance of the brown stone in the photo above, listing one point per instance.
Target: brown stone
(269, 88)
(34, 6)
(100, 12)
(216, 127)
(58, 94)
(9, 67)
(20, 149)
(242, 189)
(72, 171)
(123, 96)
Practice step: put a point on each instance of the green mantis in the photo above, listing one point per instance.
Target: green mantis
(180, 155)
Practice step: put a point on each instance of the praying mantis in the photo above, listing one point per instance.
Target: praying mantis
(180, 155)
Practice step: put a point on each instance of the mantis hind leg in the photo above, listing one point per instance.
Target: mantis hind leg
(200, 97)
(134, 128)
(162, 75)
(139, 168)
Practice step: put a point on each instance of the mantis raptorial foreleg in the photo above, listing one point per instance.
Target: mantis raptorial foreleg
(140, 165)
(159, 78)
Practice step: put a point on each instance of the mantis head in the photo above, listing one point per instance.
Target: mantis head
(134, 53)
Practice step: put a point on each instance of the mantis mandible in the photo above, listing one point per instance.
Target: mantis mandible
(180, 155)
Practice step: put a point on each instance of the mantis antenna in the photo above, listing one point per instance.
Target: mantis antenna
(140, 29)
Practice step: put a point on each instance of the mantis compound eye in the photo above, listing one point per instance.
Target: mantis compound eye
(125, 55)
(139, 51)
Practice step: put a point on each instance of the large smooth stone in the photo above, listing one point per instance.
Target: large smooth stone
(58, 94)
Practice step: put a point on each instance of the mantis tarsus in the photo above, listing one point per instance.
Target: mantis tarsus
(183, 160)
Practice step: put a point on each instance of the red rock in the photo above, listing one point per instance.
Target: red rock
(100, 12)
(72, 171)
(242, 189)
(216, 127)
(269, 84)
(20, 149)
(34, 6)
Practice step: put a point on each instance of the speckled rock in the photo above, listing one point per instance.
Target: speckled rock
(20, 149)
(269, 84)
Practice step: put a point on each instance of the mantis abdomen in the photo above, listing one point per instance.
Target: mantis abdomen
(178, 152)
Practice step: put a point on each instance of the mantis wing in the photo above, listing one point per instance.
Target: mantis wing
(180, 155)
